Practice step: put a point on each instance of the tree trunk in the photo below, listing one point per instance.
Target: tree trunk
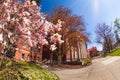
(51, 58)
(59, 60)
(60, 55)
(70, 54)
(0, 63)
(74, 55)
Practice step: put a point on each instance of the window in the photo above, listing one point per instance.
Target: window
(23, 56)
(35, 57)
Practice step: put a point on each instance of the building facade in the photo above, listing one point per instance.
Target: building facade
(79, 53)
(92, 51)
(37, 54)
(27, 53)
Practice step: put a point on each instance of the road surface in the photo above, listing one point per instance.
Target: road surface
(107, 68)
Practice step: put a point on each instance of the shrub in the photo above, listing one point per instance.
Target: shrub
(86, 61)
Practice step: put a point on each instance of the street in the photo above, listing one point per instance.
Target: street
(107, 68)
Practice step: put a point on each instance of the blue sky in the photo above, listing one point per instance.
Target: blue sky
(92, 11)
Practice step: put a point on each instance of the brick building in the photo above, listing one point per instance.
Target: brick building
(39, 54)
(27, 53)
(92, 51)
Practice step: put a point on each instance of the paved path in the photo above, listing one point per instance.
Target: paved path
(101, 69)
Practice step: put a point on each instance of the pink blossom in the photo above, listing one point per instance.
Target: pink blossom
(55, 38)
(1, 37)
(44, 41)
(5, 4)
(25, 13)
(58, 25)
(34, 3)
(27, 21)
(53, 47)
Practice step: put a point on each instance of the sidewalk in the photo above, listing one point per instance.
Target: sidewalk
(73, 74)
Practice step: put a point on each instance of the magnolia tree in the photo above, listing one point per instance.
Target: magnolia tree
(24, 20)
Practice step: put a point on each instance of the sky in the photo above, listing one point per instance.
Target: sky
(92, 12)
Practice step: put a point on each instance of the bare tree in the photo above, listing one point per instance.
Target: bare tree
(105, 37)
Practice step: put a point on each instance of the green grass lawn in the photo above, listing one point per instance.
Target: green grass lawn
(115, 52)
(25, 71)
